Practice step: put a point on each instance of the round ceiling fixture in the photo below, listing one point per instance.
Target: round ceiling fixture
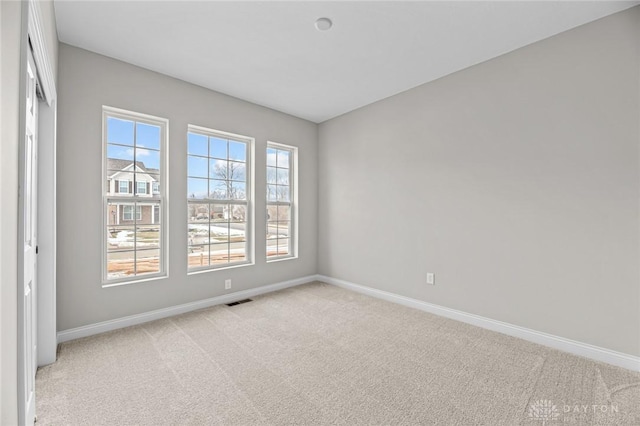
(323, 24)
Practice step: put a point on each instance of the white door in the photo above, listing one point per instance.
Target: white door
(29, 194)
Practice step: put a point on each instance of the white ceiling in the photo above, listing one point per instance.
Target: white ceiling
(271, 54)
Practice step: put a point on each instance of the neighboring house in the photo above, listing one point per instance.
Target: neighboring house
(126, 180)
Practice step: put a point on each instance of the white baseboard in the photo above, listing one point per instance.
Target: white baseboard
(101, 327)
(571, 346)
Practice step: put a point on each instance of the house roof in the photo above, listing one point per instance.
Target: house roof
(115, 164)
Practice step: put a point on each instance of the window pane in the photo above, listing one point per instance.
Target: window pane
(237, 190)
(198, 233)
(119, 131)
(145, 213)
(272, 213)
(272, 247)
(120, 238)
(237, 171)
(237, 231)
(197, 166)
(238, 251)
(120, 264)
(148, 160)
(148, 237)
(147, 261)
(198, 256)
(219, 232)
(219, 213)
(147, 136)
(272, 175)
(283, 159)
(284, 213)
(218, 147)
(218, 169)
(271, 157)
(283, 176)
(237, 151)
(154, 183)
(283, 193)
(196, 188)
(272, 230)
(272, 193)
(283, 246)
(219, 253)
(238, 213)
(113, 214)
(198, 212)
(283, 229)
(218, 189)
(117, 152)
(197, 144)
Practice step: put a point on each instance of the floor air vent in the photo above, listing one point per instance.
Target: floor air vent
(239, 302)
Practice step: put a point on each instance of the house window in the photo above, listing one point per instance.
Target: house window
(135, 234)
(127, 213)
(219, 199)
(123, 186)
(141, 187)
(281, 201)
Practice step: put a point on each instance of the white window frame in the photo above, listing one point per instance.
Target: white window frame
(249, 202)
(293, 202)
(120, 182)
(144, 185)
(155, 188)
(162, 198)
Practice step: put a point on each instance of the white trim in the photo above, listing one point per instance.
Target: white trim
(586, 350)
(163, 198)
(249, 201)
(596, 353)
(292, 203)
(40, 53)
(102, 327)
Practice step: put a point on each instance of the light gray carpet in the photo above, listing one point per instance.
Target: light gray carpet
(318, 354)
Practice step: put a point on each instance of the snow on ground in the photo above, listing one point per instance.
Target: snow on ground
(218, 230)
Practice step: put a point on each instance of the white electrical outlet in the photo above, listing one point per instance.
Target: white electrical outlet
(431, 278)
(227, 284)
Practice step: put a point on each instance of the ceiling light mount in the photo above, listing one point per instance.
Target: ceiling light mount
(323, 24)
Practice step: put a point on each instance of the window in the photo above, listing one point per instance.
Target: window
(219, 197)
(281, 201)
(135, 232)
(141, 187)
(127, 213)
(123, 186)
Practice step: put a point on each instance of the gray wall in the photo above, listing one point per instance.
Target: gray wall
(86, 82)
(516, 181)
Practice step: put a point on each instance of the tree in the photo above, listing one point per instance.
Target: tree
(232, 174)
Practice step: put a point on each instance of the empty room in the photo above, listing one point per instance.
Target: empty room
(319, 212)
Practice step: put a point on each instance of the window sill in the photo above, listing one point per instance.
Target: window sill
(280, 259)
(218, 268)
(107, 284)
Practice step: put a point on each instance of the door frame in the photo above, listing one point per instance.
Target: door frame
(33, 38)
